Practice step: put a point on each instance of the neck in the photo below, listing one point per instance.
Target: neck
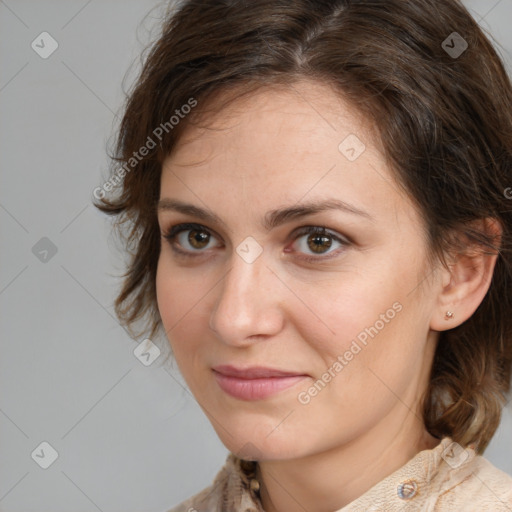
(332, 479)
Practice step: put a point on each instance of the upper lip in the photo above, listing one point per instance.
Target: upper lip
(253, 372)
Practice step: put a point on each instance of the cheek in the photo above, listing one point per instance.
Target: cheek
(362, 370)
(339, 309)
(165, 283)
(178, 296)
(365, 316)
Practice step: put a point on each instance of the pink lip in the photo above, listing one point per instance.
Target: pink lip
(254, 383)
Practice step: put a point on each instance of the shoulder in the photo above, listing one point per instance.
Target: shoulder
(475, 485)
(229, 492)
(446, 478)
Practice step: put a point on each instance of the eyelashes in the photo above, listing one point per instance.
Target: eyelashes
(171, 234)
(202, 235)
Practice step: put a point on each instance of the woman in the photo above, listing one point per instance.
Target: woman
(316, 195)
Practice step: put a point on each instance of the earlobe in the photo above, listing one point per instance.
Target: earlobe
(466, 282)
(449, 315)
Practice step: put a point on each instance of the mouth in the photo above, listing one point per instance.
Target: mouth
(254, 383)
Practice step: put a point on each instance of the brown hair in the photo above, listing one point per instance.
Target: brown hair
(443, 113)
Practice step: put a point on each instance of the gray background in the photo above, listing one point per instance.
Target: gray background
(128, 437)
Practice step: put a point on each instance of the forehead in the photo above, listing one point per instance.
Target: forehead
(279, 146)
(304, 117)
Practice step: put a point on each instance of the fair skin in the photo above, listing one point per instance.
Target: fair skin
(279, 148)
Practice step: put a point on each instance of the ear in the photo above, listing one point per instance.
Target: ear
(465, 283)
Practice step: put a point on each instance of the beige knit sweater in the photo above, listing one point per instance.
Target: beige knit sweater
(444, 479)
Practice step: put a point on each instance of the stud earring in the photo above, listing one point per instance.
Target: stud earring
(449, 315)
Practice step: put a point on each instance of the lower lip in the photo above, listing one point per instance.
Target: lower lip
(255, 389)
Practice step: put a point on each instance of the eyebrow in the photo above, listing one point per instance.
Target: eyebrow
(273, 218)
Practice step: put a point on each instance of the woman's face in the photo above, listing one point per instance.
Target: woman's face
(351, 323)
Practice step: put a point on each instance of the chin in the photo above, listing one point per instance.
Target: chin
(249, 446)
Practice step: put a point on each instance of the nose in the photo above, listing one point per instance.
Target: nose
(249, 302)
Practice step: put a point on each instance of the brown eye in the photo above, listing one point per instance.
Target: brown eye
(198, 238)
(319, 243)
(188, 239)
